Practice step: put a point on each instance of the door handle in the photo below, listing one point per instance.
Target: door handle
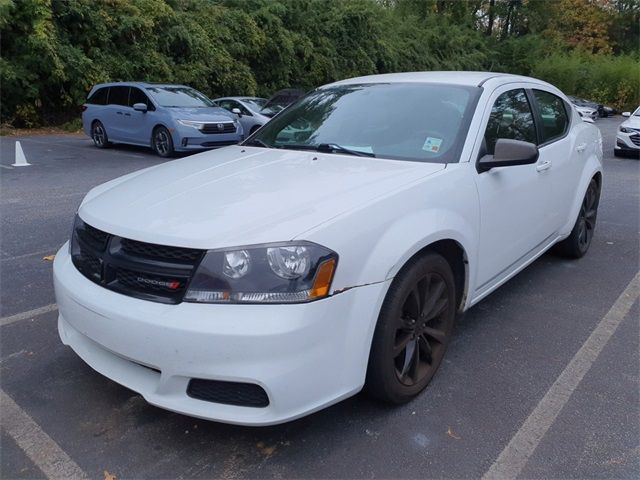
(119, 113)
(581, 148)
(127, 114)
(546, 165)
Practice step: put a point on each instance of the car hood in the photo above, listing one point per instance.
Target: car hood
(632, 122)
(242, 195)
(211, 114)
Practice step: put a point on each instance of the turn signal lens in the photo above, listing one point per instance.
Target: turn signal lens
(323, 279)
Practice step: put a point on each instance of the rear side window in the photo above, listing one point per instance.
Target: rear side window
(510, 118)
(99, 97)
(553, 115)
(119, 96)
(138, 96)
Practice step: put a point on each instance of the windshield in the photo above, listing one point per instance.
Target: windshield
(405, 121)
(179, 97)
(255, 104)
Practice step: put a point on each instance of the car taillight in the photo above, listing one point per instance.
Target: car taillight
(84, 107)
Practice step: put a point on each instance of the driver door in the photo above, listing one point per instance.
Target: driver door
(515, 201)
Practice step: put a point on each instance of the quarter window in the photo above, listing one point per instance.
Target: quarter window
(119, 96)
(99, 97)
(510, 118)
(553, 115)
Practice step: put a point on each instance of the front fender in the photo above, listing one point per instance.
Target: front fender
(374, 241)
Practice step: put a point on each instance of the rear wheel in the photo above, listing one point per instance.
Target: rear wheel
(99, 135)
(579, 240)
(162, 142)
(413, 330)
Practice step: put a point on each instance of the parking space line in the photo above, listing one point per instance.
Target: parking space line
(515, 455)
(28, 314)
(38, 446)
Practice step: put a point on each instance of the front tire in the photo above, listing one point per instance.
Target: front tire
(162, 142)
(577, 243)
(99, 135)
(413, 330)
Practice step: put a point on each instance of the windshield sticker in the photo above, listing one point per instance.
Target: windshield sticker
(432, 144)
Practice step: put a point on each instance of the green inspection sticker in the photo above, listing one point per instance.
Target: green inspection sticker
(432, 144)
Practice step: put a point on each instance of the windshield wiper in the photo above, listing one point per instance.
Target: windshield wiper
(334, 147)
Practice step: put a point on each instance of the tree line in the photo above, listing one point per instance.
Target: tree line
(54, 51)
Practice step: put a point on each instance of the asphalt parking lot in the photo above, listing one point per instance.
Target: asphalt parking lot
(505, 357)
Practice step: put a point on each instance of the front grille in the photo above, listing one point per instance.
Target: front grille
(152, 272)
(160, 252)
(229, 393)
(220, 127)
(92, 236)
(635, 139)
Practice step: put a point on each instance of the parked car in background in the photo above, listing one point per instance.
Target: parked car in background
(603, 110)
(586, 112)
(265, 281)
(247, 109)
(281, 100)
(167, 118)
(628, 137)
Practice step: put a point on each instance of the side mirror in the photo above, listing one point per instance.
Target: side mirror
(588, 119)
(140, 107)
(626, 114)
(236, 111)
(509, 153)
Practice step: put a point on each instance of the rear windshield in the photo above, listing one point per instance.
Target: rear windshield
(179, 97)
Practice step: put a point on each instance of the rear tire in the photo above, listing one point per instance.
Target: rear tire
(99, 135)
(414, 327)
(162, 142)
(577, 243)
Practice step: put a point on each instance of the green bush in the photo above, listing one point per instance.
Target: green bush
(614, 81)
(53, 51)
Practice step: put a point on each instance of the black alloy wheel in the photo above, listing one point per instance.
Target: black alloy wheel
(413, 331)
(579, 240)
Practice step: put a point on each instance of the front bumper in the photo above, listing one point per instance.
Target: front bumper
(627, 141)
(187, 139)
(305, 356)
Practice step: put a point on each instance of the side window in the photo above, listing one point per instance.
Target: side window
(99, 97)
(242, 108)
(553, 115)
(510, 118)
(138, 96)
(119, 96)
(226, 104)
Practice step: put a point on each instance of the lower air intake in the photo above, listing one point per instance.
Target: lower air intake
(229, 393)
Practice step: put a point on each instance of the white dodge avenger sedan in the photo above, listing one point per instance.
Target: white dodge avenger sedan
(332, 250)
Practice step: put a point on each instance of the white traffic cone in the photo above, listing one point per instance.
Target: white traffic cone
(21, 160)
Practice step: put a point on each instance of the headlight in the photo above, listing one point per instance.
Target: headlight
(191, 123)
(288, 272)
(625, 130)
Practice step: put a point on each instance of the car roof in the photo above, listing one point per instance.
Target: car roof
(139, 84)
(471, 79)
(239, 98)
